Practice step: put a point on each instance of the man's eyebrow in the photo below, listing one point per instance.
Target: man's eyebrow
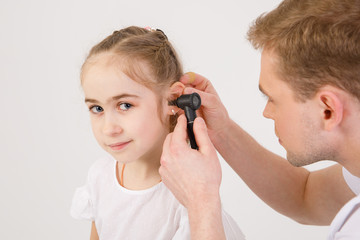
(117, 97)
(91, 100)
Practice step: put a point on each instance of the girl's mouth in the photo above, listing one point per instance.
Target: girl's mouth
(119, 146)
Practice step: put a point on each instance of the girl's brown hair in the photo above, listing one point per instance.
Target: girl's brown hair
(317, 43)
(138, 47)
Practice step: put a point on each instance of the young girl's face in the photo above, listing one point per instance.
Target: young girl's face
(124, 114)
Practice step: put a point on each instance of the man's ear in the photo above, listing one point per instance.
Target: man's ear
(332, 108)
(175, 91)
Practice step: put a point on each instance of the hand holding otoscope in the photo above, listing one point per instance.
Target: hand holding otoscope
(189, 103)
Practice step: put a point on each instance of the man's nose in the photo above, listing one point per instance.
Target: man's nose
(267, 112)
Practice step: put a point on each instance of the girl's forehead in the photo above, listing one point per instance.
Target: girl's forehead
(137, 69)
(117, 72)
(107, 77)
(103, 82)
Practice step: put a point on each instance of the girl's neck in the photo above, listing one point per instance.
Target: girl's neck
(139, 175)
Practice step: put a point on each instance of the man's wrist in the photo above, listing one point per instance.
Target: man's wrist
(205, 203)
(205, 218)
(220, 138)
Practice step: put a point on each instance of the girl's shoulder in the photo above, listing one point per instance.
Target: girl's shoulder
(102, 166)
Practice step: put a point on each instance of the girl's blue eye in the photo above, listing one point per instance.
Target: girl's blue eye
(96, 109)
(125, 106)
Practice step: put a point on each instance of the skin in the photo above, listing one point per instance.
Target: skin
(208, 183)
(121, 111)
(309, 131)
(93, 234)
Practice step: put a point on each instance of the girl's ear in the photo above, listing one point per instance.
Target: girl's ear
(332, 108)
(175, 91)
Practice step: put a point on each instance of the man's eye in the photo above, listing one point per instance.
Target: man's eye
(125, 106)
(96, 109)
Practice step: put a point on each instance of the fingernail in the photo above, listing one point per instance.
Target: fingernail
(200, 120)
(191, 77)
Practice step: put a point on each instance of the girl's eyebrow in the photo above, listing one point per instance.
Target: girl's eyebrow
(125, 95)
(117, 97)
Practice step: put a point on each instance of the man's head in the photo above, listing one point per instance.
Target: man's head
(310, 71)
(317, 42)
(303, 128)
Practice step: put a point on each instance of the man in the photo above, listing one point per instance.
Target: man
(310, 72)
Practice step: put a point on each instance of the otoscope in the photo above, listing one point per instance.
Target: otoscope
(189, 103)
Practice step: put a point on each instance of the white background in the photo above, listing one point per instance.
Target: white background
(46, 144)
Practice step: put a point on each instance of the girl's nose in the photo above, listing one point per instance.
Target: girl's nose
(112, 125)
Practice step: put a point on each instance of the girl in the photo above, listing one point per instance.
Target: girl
(128, 80)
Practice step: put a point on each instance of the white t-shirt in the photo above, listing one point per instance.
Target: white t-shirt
(352, 181)
(346, 224)
(120, 213)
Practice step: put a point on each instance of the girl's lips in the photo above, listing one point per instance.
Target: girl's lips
(119, 146)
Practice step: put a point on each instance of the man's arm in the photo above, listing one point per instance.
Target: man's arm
(307, 197)
(194, 178)
(205, 219)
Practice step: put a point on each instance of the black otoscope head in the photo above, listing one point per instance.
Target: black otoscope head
(189, 103)
(193, 101)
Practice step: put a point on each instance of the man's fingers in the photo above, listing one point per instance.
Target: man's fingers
(191, 78)
(197, 81)
(188, 78)
(175, 141)
(166, 147)
(202, 137)
(180, 133)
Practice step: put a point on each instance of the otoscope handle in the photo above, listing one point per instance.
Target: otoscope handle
(190, 117)
(190, 114)
(191, 135)
(189, 103)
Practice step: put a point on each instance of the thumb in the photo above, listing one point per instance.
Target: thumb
(179, 133)
(202, 137)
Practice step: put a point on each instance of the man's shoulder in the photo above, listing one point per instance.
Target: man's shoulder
(352, 222)
(346, 222)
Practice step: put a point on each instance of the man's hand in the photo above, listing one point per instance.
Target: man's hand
(194, 178)
(191, 175)
(212, 109)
